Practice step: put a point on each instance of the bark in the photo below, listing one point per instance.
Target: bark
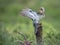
(39, 38)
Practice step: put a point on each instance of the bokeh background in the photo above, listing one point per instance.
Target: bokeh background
(11, 21)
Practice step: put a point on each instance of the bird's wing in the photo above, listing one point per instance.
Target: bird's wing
(26, 12)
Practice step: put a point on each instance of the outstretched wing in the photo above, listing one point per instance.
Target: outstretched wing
(28, 12)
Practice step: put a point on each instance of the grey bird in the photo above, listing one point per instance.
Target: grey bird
(35, 16)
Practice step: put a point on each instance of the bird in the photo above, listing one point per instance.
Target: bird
(33, 15)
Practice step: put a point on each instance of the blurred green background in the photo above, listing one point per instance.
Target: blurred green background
(10, 21)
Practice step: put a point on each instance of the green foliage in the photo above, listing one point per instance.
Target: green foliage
(10, 21)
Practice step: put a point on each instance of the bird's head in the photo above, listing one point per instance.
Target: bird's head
(42, 10)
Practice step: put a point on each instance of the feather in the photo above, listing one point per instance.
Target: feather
(27, 12)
